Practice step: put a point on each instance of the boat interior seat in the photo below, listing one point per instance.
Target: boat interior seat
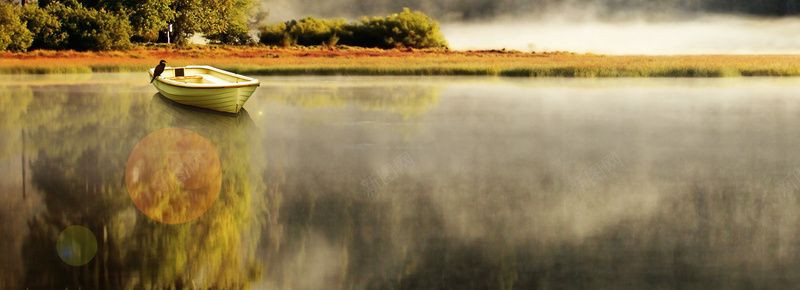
(184, 78)
(214, 79)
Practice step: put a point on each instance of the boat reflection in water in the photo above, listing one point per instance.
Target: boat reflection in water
(181, 115)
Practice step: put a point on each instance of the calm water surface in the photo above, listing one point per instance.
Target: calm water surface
(415, 182)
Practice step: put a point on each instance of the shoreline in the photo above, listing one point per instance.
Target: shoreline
(400, 62)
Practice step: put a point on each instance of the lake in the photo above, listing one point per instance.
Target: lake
(404, 183)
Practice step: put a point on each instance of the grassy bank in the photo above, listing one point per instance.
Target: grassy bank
(357, 61)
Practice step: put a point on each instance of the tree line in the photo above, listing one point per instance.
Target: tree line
(412, 29)
(117, 24)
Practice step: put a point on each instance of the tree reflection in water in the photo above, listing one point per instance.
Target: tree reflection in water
(488, 205)
(81, 142)
(83, 184)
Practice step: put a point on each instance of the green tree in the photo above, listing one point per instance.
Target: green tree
(46, 28)
(14, 35)
(149, 17)
(90, 29)
(70, 25)
(406, 29)
(206, 16)
(307, 31)
(236, 30)
(225, 21)
(275, 34)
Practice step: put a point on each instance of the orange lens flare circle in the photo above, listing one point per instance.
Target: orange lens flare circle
(173, 175)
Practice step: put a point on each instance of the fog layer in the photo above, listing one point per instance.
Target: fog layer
(596, 26)
(703, 35)
(472, 10)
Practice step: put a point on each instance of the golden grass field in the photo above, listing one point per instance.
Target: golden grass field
(363, 61)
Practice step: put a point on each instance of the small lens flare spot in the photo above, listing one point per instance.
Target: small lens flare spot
(76, 245)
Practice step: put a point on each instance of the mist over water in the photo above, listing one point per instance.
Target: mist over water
(484, 10)
(588, 26)
(416, 182)
(713, 34)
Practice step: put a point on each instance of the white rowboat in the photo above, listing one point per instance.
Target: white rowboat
(205, 87)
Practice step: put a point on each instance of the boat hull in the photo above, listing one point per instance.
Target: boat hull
(229, 100)
(205, 87)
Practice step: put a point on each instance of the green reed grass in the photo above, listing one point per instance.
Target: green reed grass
(464, 68)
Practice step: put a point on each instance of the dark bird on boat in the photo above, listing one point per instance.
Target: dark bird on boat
(159, 69)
